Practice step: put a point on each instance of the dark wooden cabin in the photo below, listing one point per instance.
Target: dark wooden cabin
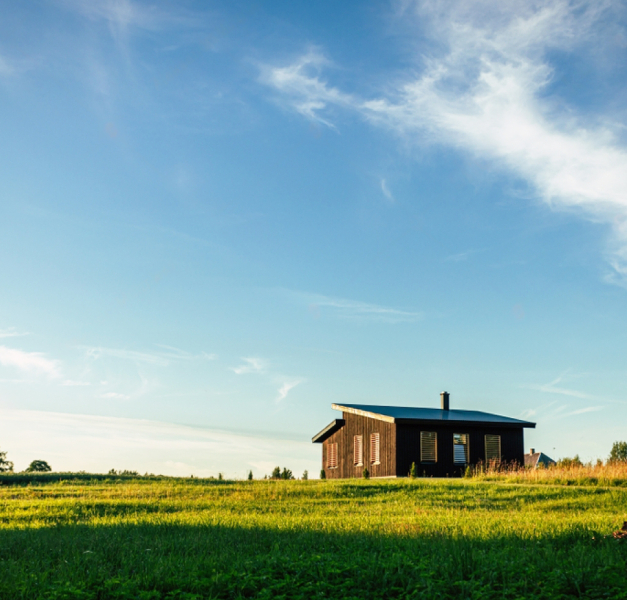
(442, 442)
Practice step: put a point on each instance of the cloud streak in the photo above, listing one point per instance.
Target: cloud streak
(251, 365)
(30, 362)
(285, 389)
(553, 388)
(161, 359)
(386, 191)
(10, 332)
(357, 310)
(484, 89)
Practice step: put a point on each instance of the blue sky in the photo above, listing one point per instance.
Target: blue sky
(217, 219)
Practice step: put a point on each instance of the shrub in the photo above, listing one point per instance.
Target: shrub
(125, 472)
(323, 475)
(413, 471)
(366, 473)
(305, 475)
(570, 462)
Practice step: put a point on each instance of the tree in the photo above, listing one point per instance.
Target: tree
(38, 466)
(6, 466)
(323, 474)
(413, 472)
(305, 475)
(618, 452)
(250, 475)
(366, 473)
(286, 474)
(276, 473)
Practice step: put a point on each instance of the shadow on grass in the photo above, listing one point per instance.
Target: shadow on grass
(193, 562)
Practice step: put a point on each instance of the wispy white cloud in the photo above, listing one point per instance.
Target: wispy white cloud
(285, 389)
(72, 383)
(251, 365)
(302, 88)
(356, 310)
(528, 413)
(483, 89)
(30, 362)
(178, 354)
(162, 359)
(120, 15)
(115, 395)
(132, 355)
(588, 409)
(553, 388)
(461, 256)
(11, 332)
(386, 191)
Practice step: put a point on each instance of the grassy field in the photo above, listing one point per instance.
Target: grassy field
(191, 539)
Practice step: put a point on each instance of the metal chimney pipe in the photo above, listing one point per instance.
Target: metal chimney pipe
(444, 400)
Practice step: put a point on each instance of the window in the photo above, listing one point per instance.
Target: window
(428, 447)
(332, 456)
(492, 448)
(375, 455)
(460, 448)
(358, 450)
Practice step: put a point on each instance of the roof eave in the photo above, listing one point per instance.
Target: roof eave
(328, 431)
(363, 413)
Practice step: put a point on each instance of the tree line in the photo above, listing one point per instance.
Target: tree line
(618, 454)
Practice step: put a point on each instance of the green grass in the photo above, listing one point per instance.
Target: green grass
(169, 538)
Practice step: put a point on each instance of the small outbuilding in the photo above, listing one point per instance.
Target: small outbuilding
(535, 459)
(442, 442)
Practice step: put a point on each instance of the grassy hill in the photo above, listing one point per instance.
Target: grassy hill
(192, 539)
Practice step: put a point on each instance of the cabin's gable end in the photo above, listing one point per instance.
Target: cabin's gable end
(357, 445)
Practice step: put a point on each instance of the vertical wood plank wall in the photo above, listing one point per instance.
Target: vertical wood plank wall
(364, 426)
(408, 448)
(400, 446)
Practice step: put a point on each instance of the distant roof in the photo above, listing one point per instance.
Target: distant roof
(396, 414)
(538, 458)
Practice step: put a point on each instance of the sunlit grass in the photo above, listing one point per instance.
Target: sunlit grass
(202, 539)
(609, 474)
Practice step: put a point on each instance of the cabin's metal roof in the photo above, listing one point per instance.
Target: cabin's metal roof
(396, 414)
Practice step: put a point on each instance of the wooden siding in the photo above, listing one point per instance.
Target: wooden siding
(364, 426)
(408, 448)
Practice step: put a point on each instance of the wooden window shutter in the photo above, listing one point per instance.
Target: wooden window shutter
(460, 448)
(492, 448)
(375, 449)
(332, 456)
(428, 447)
(358, 450)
